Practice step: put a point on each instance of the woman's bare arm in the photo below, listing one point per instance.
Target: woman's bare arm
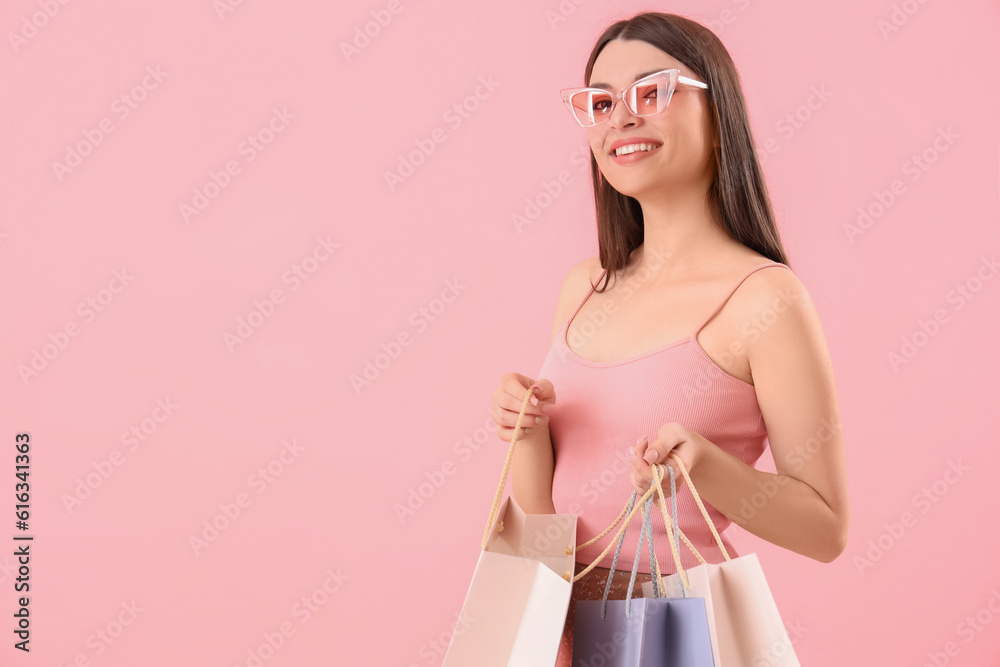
(534, 460)
(804, 506)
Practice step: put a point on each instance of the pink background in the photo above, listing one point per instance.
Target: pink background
(326, 515)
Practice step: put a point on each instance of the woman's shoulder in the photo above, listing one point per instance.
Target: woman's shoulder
(774, 286)
(575, 287)
(766, 274)
(581, 278)
(763, 271)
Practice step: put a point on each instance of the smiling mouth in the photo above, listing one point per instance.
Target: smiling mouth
(635, 148)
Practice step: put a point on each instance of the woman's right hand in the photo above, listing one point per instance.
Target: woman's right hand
(507, 400)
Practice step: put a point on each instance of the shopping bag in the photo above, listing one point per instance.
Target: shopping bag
(515, 609)
(744, 622)
(698, 587)
(643, 632)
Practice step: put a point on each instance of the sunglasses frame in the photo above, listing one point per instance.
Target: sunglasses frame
(674, 77)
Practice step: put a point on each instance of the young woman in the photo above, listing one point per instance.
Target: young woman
(705, 345)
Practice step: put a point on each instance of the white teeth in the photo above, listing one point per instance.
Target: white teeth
(631, 148)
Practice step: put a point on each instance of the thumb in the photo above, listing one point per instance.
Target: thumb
(651, 456)
(543, 390)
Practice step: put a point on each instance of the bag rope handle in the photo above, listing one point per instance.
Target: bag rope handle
(661, 503)
(619, 518)
(673, 528)
(655, 488)
(506, 467)
(503, 482)
(701, 506)
(621, 531)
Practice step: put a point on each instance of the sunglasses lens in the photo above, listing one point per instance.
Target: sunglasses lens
(591, 107)
(643, 98)
(651, 96)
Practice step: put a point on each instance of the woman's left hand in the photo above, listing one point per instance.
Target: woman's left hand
(671, 438)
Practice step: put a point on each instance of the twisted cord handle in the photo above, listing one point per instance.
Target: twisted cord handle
(701, 506)
(503, 481)
(506, 467)
(671, 526)
(656, 488)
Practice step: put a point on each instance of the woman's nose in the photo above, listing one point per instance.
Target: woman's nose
(621, 116)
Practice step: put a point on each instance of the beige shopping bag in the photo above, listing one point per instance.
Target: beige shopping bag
(516, 606)
(515, 610)
(744, 623)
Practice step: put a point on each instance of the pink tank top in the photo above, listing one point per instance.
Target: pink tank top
(601, 410)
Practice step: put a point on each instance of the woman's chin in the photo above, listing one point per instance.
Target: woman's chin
(634, 187)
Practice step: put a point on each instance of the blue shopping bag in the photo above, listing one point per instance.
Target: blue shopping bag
(643, 632)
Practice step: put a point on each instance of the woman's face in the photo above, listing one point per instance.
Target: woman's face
(682, 133)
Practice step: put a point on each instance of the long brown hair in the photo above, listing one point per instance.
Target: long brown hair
(738, 192)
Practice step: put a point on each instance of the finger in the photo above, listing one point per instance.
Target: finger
(543, 394)
(508, 418)
(546, 391)
(507, 434)
(642, 473)
(652, 452)
(537, 400)
(640, 446)
(512, 405)
(659, 450)
(524, 384)
(637, 483)
(651, 455)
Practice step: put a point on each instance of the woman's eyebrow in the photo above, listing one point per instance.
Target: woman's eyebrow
(607, 86)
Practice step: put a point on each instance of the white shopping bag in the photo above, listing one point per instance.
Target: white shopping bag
(516, 606)
(743, 619)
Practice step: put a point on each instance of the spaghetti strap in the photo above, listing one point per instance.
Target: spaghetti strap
(569, 319)
(732, 289)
